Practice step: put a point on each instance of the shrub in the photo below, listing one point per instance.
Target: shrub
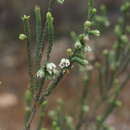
(108, 71)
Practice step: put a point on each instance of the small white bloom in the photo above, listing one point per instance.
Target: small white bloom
(64, 63)
(60, 1)
(87, 25)
(51, 68)
(40, 73)
(77, 45)
(88, 49)
(22, 37)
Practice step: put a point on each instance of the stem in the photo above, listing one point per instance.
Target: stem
(112, 105)
(124, 62)
(50, 33)
(50, 5)
(41, 116)
(34, 105)
(110, 80)
(106, 68)
(100, 81)
(29, 44)
(29, 122)
(82, 101)
(90, 7)
(38, 28)
(52, 86)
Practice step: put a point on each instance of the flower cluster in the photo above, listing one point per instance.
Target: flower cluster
(64, 63)
(51, 68)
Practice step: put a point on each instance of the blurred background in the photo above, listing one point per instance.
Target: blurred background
(13, 64)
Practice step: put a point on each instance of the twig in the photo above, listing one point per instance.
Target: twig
(82, 101)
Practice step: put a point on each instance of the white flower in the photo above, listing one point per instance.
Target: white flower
(40, 73)
(88, 49)
(77, 45)
(51, 68)
(64, 63)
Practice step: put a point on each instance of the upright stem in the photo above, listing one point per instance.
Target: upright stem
(38, 28)
(26, 21)
(90, 7)
(83, 102)
(50, 33)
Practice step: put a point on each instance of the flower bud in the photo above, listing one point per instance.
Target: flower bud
(49, 17)
(60, 1)
(22, 37)
(125, 7)
(124, 39)
(79, 60)
(95, 32)
(69, 52)
(25, 17)
(87, 25)
(94, 11)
